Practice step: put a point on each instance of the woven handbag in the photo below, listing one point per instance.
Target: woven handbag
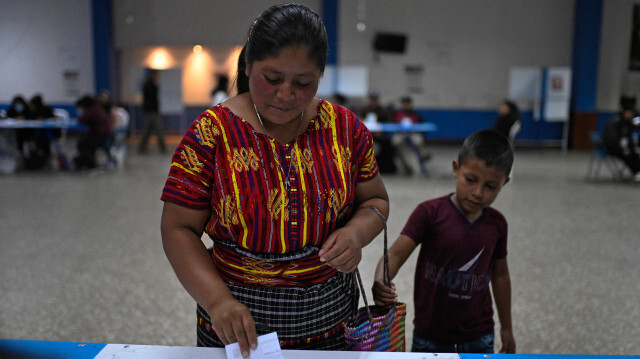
(376, 328)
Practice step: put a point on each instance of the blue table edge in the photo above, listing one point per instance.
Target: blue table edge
(20, 348)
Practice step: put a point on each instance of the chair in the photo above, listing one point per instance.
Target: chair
(599, 154)
(118, 149)
(515, 129)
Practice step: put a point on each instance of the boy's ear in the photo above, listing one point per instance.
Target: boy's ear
(455, 166)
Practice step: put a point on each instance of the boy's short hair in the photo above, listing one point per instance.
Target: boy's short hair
(491, 147)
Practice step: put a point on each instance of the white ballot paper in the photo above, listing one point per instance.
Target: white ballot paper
(268, 348)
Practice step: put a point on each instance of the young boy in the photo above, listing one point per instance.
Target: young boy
(464, 248)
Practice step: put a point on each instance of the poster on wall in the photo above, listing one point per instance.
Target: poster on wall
(413, 73)
(352, 81)
(170, 91)
(524, 83)
(71, 81)
(557, 94)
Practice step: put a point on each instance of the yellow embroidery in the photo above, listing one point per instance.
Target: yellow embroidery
(243, 160)
(278, 205)
(190, 160)
(335, 202)
(205, 132)
(343, 157)
(227, 211)
(307, 161)
(368, 166)
(326, 116)
(234, 181)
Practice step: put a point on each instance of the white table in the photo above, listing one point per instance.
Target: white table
(10, 348)
(9, 126)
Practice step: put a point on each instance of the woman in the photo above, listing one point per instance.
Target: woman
(509, 122)
(272, 175)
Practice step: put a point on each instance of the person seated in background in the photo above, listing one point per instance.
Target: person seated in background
(39, 110)
(11, 145)
(119, 117)
(374, 112)
(33, 145)
(19, 109)
(509, 121)
(402, 142)
(99, 123)
(406, 113)
(620, 137)
(36, 145)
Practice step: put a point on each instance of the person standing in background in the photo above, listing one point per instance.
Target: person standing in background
(151, 108)
(509, 121)
(620, 137)
(221, 92)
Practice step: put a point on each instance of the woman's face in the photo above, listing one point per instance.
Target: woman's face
(282, 86)
(504, 109)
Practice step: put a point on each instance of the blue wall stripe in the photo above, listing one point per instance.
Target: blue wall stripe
(48, 349)
(330, 19)
(453, 125)
(101, 26)
(586, 49)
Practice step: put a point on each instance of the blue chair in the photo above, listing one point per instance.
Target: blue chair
(599, 155)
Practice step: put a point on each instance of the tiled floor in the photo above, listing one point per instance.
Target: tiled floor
(81, 257)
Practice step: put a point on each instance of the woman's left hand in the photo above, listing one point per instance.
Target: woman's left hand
(342, 250)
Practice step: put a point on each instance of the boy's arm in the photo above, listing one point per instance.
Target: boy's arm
(398, 253)
(501, 285)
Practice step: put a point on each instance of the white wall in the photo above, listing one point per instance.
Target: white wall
(466, 47)
(188, 22)
(39, 41)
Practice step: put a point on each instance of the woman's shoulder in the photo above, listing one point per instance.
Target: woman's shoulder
(341, 115)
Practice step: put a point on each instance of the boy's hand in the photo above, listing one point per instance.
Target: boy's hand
(384, 295)
(508, 342)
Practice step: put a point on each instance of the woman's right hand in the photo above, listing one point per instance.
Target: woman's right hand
(384, 295)
(232, 322)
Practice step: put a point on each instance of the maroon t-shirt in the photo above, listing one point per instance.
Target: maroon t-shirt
(451, 294)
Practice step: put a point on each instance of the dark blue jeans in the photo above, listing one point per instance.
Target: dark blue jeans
(481, 345)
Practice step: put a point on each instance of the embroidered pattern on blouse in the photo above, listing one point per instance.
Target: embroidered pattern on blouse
(223, 165)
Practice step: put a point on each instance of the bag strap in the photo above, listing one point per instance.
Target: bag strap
(387, 276)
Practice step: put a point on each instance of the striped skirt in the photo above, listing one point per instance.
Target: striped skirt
(305, 318)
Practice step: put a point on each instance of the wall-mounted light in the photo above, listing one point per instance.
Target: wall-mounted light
(160, 59)
(197, 49)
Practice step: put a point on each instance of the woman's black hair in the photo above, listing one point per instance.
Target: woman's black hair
(513, 108)
(278, 27)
